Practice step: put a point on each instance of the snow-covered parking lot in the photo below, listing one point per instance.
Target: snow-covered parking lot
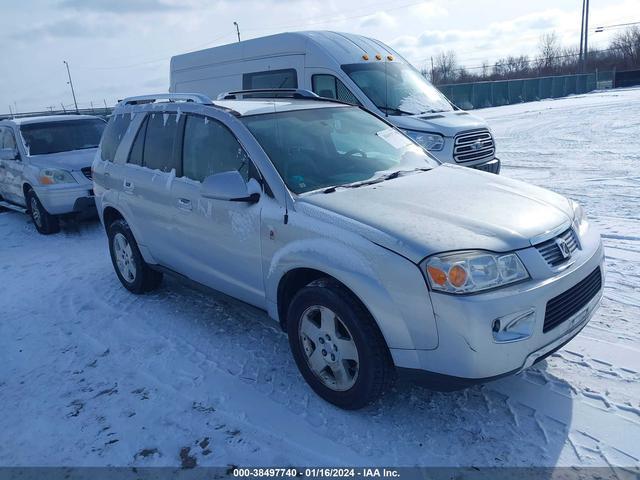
(93, 375)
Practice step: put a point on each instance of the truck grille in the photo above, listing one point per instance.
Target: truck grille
(567, 304)
(473, 145)
(86, 171)
(550, 250)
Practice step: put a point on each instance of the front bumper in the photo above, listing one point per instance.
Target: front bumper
(64, 199)
(491, 166)
(467, 351)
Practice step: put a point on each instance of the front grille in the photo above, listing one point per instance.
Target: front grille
(551, 252)
(567, 304)
(473, 145)
(86, 171)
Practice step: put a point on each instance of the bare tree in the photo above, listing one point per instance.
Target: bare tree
(549, 51)
(445, 67)
(627, 45)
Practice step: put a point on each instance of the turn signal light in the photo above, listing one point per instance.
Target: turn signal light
(438, 276)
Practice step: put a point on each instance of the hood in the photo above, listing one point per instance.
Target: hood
(73, 160)
(447, 123)
(449, 208)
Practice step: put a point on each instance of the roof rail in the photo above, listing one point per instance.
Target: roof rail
(298, 93)
(168, 97)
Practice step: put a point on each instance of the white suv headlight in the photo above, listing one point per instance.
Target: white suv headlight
(473, 271)
(52, 176)
(433, 142)
(580, 222)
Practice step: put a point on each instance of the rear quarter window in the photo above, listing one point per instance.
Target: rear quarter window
(113, 134)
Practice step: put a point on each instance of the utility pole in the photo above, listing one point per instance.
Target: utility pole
(433, 78)
(580, 57)
(71, 85)
(237, 30)
(586, 36)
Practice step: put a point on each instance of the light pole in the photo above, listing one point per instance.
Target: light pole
(237, 30)
(586, 35)
(71, 85)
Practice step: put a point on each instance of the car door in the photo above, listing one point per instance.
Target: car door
(11, 171)
(151, 166)
(215, 242)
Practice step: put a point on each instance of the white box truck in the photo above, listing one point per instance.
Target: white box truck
(349, 68)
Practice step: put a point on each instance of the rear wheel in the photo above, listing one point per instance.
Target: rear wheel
(338, 346)
(134, 273)
(45, 223)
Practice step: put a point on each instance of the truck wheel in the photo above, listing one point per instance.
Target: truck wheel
(134, 273)
(45, 223)
(338, 347)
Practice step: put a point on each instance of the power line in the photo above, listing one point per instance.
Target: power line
(614, 26)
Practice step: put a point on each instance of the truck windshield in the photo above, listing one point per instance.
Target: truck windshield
(334, 146)
(62, 136)
(397, 88)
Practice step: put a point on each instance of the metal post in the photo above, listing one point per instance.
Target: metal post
(586, 35)
(581, 36)
(237, 30)
(11, 112)
(63, 109)
(71, 84)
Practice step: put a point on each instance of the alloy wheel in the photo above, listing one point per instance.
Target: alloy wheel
(329, 348)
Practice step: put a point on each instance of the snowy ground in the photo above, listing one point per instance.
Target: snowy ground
(92, 375)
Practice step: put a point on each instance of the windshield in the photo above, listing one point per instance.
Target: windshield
(62, 136)
(397, 89)
(326, 147)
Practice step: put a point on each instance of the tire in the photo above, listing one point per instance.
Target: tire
(45, 223)
(134, 273)
(369, 376)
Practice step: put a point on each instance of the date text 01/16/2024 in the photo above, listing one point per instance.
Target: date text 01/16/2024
(315, 472)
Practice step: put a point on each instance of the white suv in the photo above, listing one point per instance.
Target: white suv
(45, 166)
(373, 257)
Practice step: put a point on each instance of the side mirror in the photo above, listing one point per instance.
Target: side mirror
(9, 154)
(228, 186)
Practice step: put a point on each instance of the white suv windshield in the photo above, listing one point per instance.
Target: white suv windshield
(326, 147)
(397, 89)
(62, 136)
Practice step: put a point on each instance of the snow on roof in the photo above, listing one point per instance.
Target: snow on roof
(48, 118)
(254, 106)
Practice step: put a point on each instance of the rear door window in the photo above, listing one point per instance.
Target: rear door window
(160, 143)
(286, 78)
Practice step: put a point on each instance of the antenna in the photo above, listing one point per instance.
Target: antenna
(386, 89)
(237, 30)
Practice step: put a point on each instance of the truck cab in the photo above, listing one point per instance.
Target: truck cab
(350, 68)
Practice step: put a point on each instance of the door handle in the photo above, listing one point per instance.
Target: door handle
(184, 203)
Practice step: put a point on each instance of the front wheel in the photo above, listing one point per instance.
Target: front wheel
(338, 347)
(134, 273)
(45, 223)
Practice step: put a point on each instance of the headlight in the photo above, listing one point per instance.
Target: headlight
(580, 222)
(431, 141)
(473, 271)
(52, 176)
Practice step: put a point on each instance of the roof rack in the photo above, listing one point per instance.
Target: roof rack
(168, 97)
(298, 93)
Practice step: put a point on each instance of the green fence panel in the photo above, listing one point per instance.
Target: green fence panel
(504, 92)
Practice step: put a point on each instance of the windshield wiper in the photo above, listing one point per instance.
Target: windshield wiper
(382, 178)
(392, 110)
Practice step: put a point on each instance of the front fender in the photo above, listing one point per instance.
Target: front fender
(390, 286)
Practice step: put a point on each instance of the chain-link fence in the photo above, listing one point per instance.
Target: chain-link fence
(505, 92)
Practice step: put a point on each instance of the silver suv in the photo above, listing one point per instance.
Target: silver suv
(373, 257)
(45, 166)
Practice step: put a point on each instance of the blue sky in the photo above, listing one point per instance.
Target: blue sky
(122, 47)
